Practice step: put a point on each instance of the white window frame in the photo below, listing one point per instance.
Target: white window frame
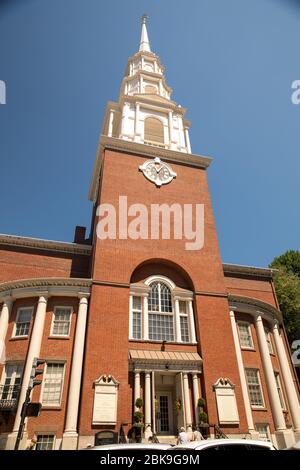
(31, 308)
(269, 340)
(280, 390)
(52, 405)
(257, 407)
(37, 434)
(267, 426)
(248, 324)
(57, 307)
(142, 291)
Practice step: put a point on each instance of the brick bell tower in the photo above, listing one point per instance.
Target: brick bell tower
(159, 326)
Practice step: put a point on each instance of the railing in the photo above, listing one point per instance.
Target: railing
(9, 395)
(219, 434)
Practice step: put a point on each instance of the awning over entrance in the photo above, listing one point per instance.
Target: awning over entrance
(173, 360)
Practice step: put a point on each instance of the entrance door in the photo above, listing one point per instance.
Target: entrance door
(164, 413)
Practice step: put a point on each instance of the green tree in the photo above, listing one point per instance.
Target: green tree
(287, 285)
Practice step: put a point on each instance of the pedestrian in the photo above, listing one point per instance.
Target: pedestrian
(183, 438)
(197, 436)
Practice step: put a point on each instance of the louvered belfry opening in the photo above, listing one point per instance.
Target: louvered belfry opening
(154, 130)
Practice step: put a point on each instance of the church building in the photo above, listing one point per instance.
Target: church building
(139, 325)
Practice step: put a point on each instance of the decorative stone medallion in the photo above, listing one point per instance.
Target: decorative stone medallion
(157, 171)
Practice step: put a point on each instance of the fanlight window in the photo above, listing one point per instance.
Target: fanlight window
(154, 130)
(159, 315)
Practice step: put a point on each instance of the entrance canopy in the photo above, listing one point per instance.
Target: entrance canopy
(165, 360)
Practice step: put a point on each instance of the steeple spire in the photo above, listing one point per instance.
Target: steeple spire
(144, 43)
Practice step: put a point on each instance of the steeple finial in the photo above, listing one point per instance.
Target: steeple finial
(144, 43)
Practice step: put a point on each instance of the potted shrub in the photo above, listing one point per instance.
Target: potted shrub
(138, 417)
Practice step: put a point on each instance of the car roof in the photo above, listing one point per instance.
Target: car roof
(213, 442)
(131, 446)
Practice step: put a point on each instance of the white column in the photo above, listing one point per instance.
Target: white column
(4, 317)
(148, 430)
(137, 388)
(288, 379)
(177, 322)
(137, 123)
(75, 376)
(145, 319)
(196, 396)
(241, 369)
(270, 378)
(187, 139)
(170, 127)
(33, 351)
(191, 322)
(187, 402)
(110, 124)
(153, 403)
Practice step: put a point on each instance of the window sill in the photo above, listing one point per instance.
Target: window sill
(53, 408)
(153, 341)
(58, 337)
(258, 408)
(16, 338)
(245, 348)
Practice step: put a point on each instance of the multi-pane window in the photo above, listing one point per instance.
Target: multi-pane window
(184, 321)
(263, 431)
(160, 310)
(268, 339)
(279, 389)
(12, 382)
(136, 317)
(245, 335)
(23, 320)
(53, 383)
(45, 442)
(254, 387)
(61, 321)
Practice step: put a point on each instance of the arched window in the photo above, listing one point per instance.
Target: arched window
(160, 312)
(153, 130)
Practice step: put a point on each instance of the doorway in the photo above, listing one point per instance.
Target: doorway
(165, 424)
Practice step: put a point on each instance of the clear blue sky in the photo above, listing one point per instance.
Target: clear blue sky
(231, 63)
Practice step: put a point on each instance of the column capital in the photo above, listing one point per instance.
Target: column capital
(43, 297)
(8, 300)
(83, 297)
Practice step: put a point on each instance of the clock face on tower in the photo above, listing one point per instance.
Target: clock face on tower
(157, 171)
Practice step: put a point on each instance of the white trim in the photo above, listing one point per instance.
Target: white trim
(52, 405)
(164, 279)
(256, 407)
(31, 308)
(248, 324)
(71, 310)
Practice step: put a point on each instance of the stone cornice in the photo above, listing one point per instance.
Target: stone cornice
(249, 271)
(254, 306)
(142, 150)
(41, 244)
(51, 286)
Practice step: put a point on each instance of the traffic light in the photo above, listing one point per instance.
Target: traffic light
(35, 372)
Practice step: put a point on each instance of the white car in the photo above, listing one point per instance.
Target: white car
(131, 446)
(226, 444)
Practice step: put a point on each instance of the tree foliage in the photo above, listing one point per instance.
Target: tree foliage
(287, 285)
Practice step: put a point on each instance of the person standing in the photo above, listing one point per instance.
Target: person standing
(197, 436)
(183, 438)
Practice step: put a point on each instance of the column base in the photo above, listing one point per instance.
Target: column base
(253, 435)
(11, 441)
(148, 432)
(69, 441)
(284, 438)
(297, 435)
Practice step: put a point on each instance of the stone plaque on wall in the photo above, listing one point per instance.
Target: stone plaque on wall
(105, 400)
(226, 402)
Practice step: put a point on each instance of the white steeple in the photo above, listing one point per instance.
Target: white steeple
(145, 112)
(144, 42)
